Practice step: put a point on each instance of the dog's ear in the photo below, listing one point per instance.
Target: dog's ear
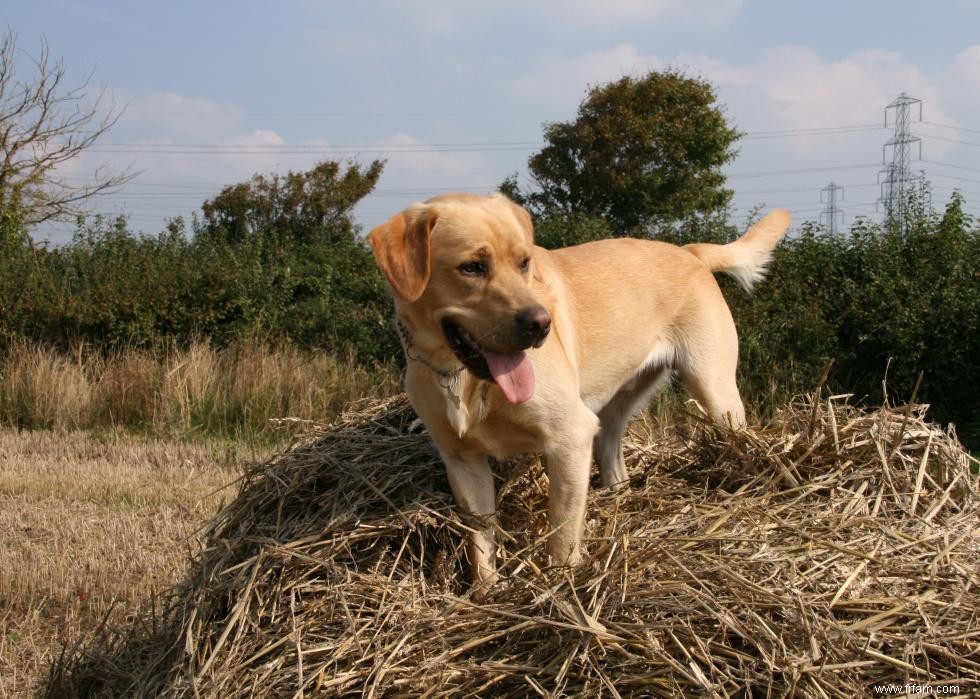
(401, 247)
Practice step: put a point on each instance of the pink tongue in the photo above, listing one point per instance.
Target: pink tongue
(513, 373)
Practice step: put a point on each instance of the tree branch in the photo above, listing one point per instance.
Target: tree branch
(43, 125)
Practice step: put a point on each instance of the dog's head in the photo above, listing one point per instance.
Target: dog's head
(462, 266)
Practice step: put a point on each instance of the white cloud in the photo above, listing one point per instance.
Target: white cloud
(962, 82)
(801, 90)
(171, 116)
(259, 137)
(436, 20)
(414, 171)
(174, 181)
(786, 88)
(163, 118)
(965, 66)
(415, 165)
(562, 81)
(794, 89)
(790, 87)
(348, 42)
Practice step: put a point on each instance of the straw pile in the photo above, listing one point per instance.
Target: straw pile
(832, 551)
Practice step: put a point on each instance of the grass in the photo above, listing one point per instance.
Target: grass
(109, 463)
(199, 389)
(94, 524)
(101, 492)
(826, 552)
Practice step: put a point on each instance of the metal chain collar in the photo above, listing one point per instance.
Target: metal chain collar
(448, 379)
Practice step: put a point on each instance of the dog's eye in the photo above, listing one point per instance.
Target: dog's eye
(525, 265)
(476, 268)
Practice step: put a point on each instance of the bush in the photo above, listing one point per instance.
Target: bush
(302, 278)
(886, 304)
(564, 230)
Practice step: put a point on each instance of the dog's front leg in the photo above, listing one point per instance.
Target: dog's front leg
(569, 461)
(471, 481)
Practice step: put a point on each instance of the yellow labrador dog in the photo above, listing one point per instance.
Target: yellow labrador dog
(515, 349)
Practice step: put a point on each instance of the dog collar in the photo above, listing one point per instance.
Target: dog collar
(448, 378)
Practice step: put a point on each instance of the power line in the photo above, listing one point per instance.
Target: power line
(954, 177)
(947, 188)
(800, 171)
(950, 126)
(317, 146)
(796, 210)
(761, 173)
(830, 131)
(207, 187)
(798, 189)
(146, 195)
(958, 167)
(155, 148)
(952, 140)
(216, 149)
(384, 192)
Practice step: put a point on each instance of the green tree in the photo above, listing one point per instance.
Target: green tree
(299, 205)
(563, 230)
(300, 270)
(641, 153)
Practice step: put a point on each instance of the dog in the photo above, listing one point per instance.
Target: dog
(514, 349)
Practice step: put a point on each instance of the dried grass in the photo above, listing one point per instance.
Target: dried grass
(43, 388)
(231, 391)
(128, 386)
(93, 522)
(827, 552)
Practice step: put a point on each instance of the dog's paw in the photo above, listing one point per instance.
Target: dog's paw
(482, 589)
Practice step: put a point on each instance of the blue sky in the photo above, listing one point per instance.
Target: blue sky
(453, 94)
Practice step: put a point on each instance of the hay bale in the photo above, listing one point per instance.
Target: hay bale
(830, 551)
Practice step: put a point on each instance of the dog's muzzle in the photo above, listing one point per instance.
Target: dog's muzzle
(533, 325)
(508, 365)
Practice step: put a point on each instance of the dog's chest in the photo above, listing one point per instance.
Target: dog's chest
(501, 437)
(477, 415)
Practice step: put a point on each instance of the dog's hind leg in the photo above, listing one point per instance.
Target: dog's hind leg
(607, 449)
(718, 395)
(708, 371)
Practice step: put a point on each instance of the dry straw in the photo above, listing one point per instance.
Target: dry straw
(831, 551)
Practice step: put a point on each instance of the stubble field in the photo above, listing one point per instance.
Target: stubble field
(91, 525)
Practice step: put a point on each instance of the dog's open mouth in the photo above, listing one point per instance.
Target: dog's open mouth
(512, 371)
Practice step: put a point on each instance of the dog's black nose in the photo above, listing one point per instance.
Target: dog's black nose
(533, 324)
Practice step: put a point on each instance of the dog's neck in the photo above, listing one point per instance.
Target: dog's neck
(448, 378)
(466, 396)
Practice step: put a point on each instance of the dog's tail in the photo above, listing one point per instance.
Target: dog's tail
(746, 258)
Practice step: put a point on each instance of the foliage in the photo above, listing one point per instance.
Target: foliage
(43, 125)
(304, 272)
(885, 304)
(563, 230)
(301, 276)
(298, 206)
(642, 152)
